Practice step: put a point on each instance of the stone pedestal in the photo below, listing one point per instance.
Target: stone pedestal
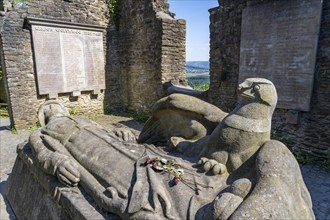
(35, 195)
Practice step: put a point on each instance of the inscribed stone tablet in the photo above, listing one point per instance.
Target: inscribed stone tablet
(279, 42)
(68, 59)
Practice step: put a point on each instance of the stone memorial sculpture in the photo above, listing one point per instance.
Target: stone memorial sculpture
(219, 165)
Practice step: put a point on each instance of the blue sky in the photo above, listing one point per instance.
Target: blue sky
(196, 13)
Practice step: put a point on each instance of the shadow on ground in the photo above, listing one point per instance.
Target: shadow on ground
(3, 128)
(3, 188)
(132, 124)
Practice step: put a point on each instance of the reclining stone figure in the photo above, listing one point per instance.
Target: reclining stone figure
(241, 172)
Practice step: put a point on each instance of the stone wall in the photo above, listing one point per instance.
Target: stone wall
(18, 56)
(113, 85)
(307, 131)
(145, 49)
(225, 36)
(311, 133)
(152, 51)
(3, 95)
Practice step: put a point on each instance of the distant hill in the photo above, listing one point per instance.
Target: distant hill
(197, 73)
(197, 67)
(199, 64)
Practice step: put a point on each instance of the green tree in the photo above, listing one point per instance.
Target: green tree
(203, 87)
(114, 11)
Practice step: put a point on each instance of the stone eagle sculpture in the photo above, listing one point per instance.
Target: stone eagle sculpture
(225, 166)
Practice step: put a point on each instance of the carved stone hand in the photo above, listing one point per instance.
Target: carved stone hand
(212, 165)
(68, 172)
(126, 135)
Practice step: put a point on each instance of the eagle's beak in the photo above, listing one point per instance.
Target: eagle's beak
(245, 92)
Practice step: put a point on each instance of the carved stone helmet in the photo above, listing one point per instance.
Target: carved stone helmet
(49, 110)
(258, 89)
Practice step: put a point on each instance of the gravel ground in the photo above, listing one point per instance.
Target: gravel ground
(316, 178)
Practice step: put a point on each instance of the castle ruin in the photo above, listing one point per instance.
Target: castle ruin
(144, 47)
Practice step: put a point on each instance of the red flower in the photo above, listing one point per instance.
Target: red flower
(175, 181)
(148, 161)
(153, 165)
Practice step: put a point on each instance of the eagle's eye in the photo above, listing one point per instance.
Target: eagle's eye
(256, 88)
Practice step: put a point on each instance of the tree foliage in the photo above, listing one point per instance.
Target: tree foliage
(199, 80)
(203, 87)
(114, 11)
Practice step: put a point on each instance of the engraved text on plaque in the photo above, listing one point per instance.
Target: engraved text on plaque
(68, 59)
(279, 42)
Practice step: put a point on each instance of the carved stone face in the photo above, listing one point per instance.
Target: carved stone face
(258, 90)
(51, 110)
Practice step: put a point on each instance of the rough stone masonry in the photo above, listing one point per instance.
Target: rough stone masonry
(305, 130)
(145, 49)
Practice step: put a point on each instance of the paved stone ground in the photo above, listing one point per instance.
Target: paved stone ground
(316, 178)
(8, 143)
(317, 181)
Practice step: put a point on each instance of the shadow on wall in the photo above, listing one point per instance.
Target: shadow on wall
(112, 93)
(3, 97)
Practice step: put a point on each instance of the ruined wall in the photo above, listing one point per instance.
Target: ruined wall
(112, 95)
(311, 133)
(152, 51)
(144, 49)
(225, 36)
(308, 131)
(18, 61)
(3, 95)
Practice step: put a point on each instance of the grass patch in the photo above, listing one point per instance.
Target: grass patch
(108, 110)
(276, 135)
(73, 111)
(32, 128)
(304, 158)
(90, 117)
(140, 116)
(14, 131)
(4, 112)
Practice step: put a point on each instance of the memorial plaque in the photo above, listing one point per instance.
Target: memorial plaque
(279, 43)
(69, 57)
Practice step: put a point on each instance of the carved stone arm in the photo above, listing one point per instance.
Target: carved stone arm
(53, 162)
(187, 90)
(47, 159)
